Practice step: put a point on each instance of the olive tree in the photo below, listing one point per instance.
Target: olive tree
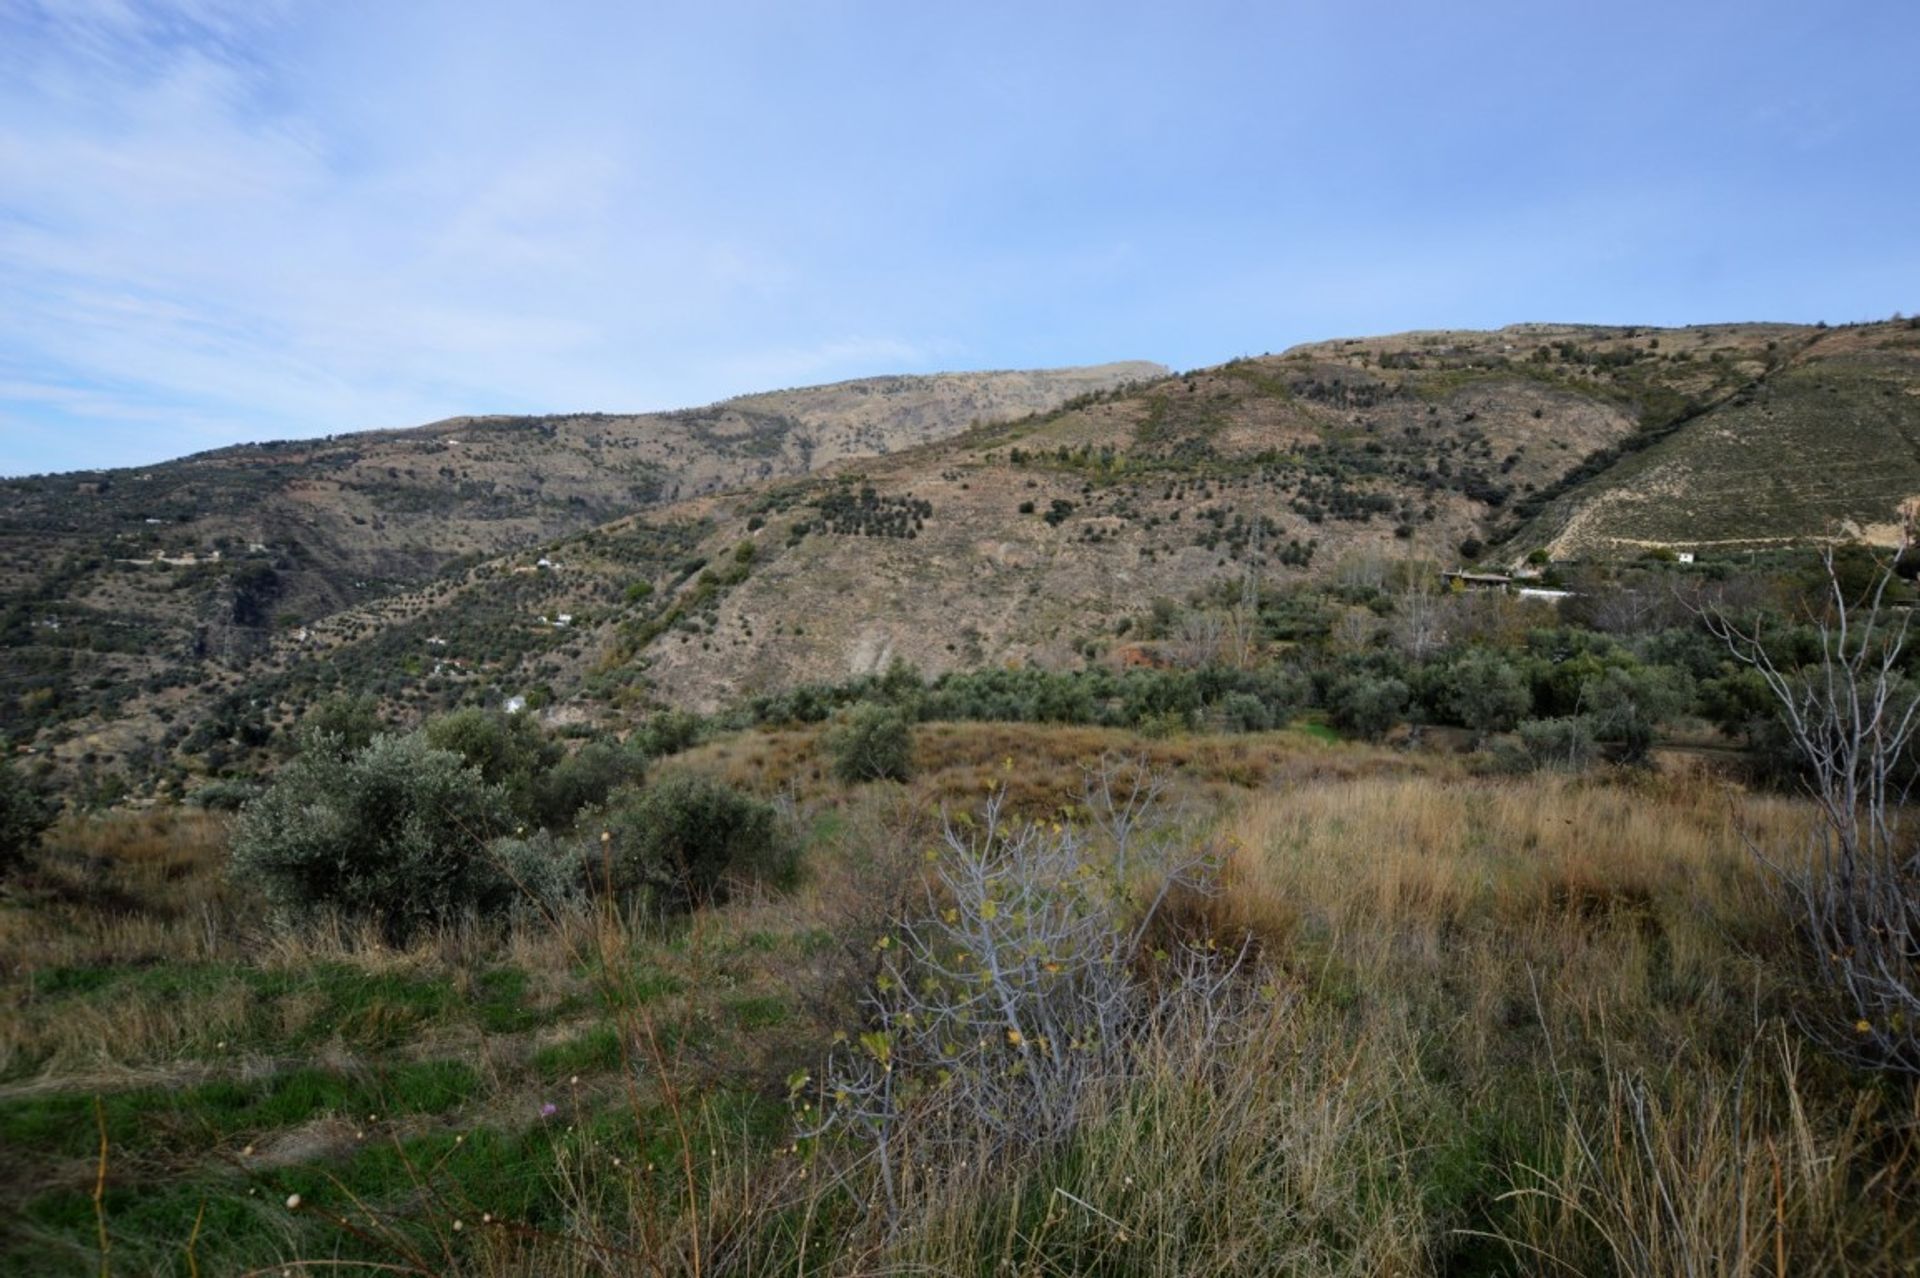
(678, 842)
(395, 835)
(873, 743)
(1367, 704)
(1486, 694)
(1627, 704)
(509, 750)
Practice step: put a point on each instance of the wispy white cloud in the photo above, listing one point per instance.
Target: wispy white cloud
(185, 228)
(230, 219)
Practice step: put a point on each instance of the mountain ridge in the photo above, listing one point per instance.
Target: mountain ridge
(1044, 539)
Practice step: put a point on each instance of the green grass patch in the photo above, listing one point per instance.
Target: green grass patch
(166, 981)
(287, 1010)
(501, 1004)
(596, 1051)
(1315, 729)
(400, 1195)
(184, 1120)
(758, 1012)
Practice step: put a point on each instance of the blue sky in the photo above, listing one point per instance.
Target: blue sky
(224, 220)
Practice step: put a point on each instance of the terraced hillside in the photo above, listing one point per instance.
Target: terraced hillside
(1046, 540)
(1825, 444)
(1024, 541)
(158, 579)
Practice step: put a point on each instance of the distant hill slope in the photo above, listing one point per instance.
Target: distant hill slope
(1041, 539)
(140, 577)
(1036, 540)
(1825, 442)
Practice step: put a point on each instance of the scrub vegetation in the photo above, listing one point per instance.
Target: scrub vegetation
(1263, 1002)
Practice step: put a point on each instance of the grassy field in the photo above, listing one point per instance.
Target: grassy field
(1493, 1025)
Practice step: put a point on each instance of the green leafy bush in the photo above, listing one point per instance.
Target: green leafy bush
(395, 835)
(224, 795)
(1564, 744)
(544, 873)
(1628, 705)
(679, 840)
(668, 732)
(351, 723)
(1486, 694)
(1244, 712)
(25, 815)
(1367, 704)
(584, 779)
(509, 750)
(873, 743)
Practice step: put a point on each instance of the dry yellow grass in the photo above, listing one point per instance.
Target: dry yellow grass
(958, 764)
(1425, 855)
(1608, 958)
(1535, 1025)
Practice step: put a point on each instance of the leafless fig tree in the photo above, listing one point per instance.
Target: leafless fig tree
(1024, 981)
(1852, 715)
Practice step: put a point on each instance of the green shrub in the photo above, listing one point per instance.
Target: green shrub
(584, 779)
(1563, 744)
(679, 840)
(1628, 705)
(544, 873)
(509, 750)
(351, 723)
(1367, 704)
(395, 835)
(1486, 694)
(668, 732)
(873, 743)
(1161, 724)
(224, 795)
(1244, 712)
(25, 815)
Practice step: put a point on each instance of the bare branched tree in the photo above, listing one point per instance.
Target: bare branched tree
(1852, 717)
(1023, 983)
(1201, 639)
(1419, 624)
(1125, 799)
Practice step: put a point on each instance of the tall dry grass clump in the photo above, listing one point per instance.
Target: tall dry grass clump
(1598, 965)
(133, 886)
(1727, 1169)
